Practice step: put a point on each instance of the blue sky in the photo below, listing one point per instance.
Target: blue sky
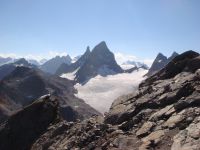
(140, 28)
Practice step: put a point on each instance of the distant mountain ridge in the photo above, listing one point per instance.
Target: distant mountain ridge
(4, 60)
(160, 62)
(8, 68)
(53, 64)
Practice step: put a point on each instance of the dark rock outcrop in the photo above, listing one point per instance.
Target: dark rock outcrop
(24, 127)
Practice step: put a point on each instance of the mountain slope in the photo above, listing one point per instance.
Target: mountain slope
(53, 64)
(101, 61)
(22, 86)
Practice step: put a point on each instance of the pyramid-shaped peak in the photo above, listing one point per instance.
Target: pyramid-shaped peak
(160, 55)
(102, 45)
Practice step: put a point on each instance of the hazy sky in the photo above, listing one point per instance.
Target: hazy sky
(131, 27)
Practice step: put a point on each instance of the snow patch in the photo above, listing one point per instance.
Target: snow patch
(128, 66)
(19, 65)
(100, 92)
(70, 75)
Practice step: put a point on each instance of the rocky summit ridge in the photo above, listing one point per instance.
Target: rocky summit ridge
(163, 114)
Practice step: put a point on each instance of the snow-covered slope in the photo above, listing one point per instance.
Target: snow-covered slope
(100, 91)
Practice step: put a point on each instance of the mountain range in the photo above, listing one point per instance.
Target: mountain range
(53, 64)
(164, 113)
(99, 61)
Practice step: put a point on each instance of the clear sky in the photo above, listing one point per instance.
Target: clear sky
(132, 27)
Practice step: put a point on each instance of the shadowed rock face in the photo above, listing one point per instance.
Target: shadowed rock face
(163, 114)
(24, 127)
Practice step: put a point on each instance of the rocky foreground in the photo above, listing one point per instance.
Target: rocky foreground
(163, 114)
